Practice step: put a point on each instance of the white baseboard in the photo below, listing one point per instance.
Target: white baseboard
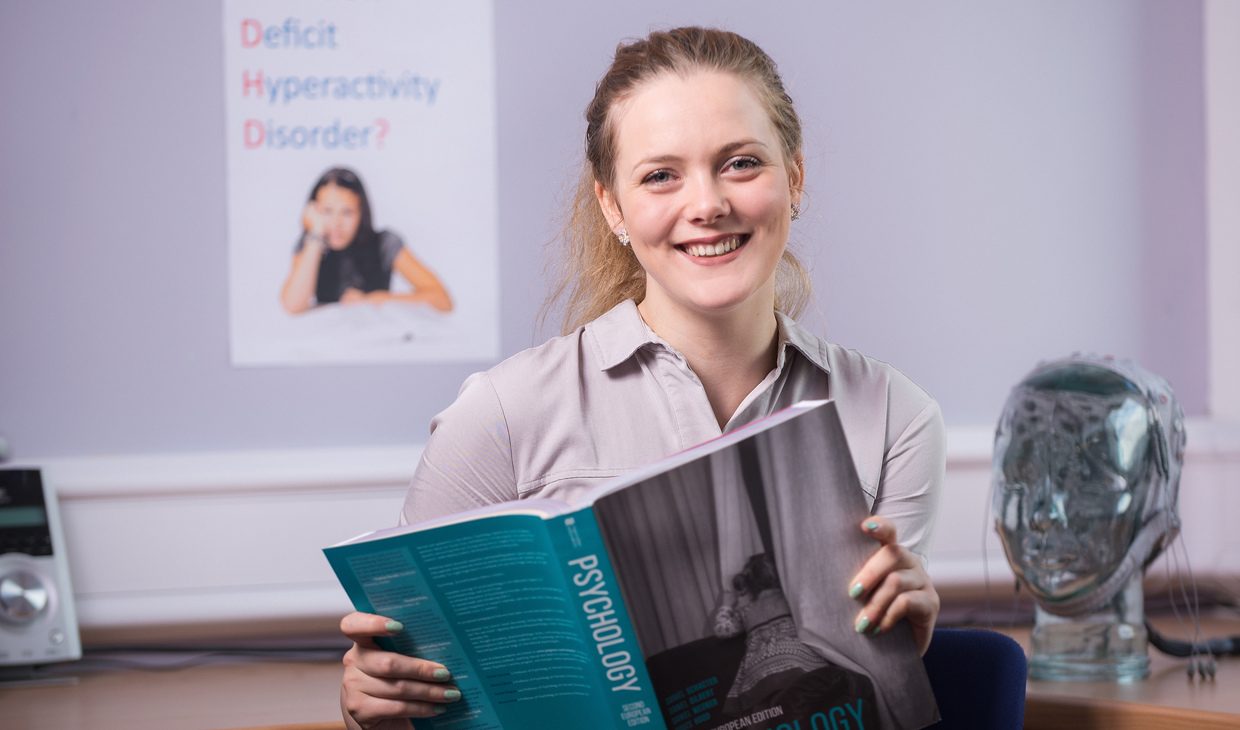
(179, 539)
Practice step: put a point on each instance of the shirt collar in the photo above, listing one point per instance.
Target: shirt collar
(618, 334)
(621, 332)
(813, 348)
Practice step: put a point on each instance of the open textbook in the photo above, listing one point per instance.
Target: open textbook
(708, 590)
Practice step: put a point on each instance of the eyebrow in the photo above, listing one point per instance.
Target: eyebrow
(727, 149)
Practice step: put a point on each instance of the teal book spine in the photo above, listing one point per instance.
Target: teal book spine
(630, 701)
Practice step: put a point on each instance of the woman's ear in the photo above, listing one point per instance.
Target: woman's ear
(611, 209)
(796, 179)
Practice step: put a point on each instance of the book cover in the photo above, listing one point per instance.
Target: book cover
(735, 567)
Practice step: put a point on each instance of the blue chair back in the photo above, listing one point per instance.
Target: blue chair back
(978, 678)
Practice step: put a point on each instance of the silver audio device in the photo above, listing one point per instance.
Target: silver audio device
(37, 622)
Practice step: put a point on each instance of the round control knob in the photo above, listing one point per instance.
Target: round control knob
(22, 595)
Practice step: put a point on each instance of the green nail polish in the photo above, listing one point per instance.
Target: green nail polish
(871, 525)
(878, 629)
(442, 674)
(393, 626)
(855, 591)
(863, 623)
(452, 695)
(440, 709)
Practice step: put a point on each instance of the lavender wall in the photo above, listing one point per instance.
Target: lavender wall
(990, 184)
(1171, 128)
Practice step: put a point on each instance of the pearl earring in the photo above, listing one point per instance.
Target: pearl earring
(623, 235)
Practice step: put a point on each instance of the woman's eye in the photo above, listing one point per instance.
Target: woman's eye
(658, 177)
(743, 164)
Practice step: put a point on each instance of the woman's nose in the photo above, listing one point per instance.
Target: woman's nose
(707, 201)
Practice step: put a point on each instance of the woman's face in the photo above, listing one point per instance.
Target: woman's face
(703, 190)
(340, 212)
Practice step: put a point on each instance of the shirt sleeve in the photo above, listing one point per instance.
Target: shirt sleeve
(911, 484)
(389, 247)
(467, 461)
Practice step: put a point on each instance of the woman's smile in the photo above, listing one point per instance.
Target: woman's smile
(713, 248)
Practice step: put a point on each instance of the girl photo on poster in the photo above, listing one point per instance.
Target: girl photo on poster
(341, 258)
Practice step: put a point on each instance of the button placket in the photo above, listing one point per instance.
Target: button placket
(687, 397)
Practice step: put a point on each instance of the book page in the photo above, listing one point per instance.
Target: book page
(542, 507)
(516, 639)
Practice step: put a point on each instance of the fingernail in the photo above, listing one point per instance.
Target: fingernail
(855, 590)
(439, 709)
(394, 626)
(871, 525)
(452, 695)
(442, 674)
(878, 629)
(863, 623)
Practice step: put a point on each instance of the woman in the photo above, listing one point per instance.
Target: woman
(341, 258)
(678, 286)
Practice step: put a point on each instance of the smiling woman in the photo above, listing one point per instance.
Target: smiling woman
(679, 293)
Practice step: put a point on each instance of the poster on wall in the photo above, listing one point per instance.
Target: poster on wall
(361, 172)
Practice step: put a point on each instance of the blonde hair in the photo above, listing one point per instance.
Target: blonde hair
(594, 272)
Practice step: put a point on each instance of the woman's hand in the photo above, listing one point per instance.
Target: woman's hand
(894, 586)
(298, 290)
(311, 220)
(381, 689)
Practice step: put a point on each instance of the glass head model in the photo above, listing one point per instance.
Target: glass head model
(1085, 476)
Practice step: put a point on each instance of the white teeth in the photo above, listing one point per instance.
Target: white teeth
(704, 250)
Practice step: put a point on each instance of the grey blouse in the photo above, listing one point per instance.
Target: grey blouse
(558, 419)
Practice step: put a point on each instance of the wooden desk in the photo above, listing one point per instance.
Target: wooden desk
(303, 696)
(291, 696)
(1167, 699)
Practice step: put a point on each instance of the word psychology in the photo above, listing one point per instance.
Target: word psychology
(292, 34)
(606, 627)
(834, 719)
(269, 135)
(370, 87)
